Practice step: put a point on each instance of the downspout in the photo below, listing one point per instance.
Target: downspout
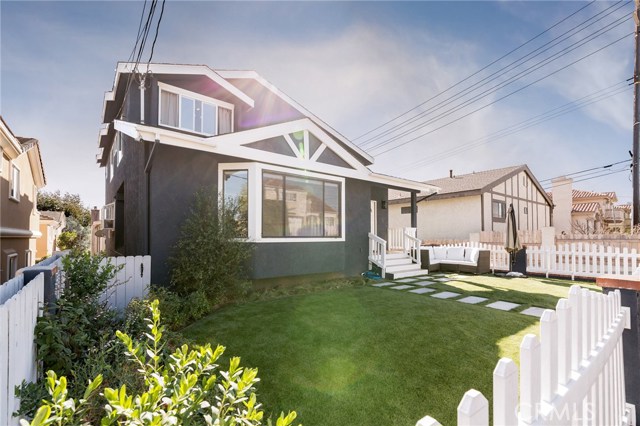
(147, 172)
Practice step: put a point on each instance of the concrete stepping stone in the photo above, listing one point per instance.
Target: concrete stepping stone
(405, 280)
(443, 279)
(503, 306)
(423, 283)
(533, 311)
(401, 287)
(446, 295)
(382, 284)
(422, 290)
(472, 300)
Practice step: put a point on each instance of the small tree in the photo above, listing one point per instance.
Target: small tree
(211, 255)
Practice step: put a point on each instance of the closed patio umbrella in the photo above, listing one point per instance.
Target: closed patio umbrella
(512, 244)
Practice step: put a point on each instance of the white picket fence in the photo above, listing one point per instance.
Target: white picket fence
(573, 374)
(19, 310)
(582, 260)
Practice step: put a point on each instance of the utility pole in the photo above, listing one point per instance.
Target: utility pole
(636, 123)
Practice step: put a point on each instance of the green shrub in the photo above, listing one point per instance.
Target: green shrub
(180, 311)
(185, 388)
(210, 256)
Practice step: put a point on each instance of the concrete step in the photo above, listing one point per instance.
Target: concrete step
(399, 261)
(402, 267)
(396, 255)
(406, 274)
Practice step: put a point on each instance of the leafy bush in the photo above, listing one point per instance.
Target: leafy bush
(75, 338)
(180, 311)
(67, 240)
(185, 388)
(210, 256)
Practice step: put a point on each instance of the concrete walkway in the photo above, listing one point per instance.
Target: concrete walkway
(419, 285)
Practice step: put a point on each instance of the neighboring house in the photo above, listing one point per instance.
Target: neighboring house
(51, 226)
(587, 212)
(475, 202)
(21, 175)
(311, 198)
(97, 232)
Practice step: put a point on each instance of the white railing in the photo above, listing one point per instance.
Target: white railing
(582, 260)
(378, 252)
(412, 247)
(19, 310)
(396, 237)
(574, 374)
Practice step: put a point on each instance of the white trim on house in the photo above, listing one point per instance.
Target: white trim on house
(232, 144)
(13, 141)
(11, 271)
(19, 233)
(16, 190)
(255, 76)
(254, 191)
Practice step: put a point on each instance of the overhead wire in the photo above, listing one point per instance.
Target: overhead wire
(508, 94)
(587, 170)
(478, 71)
(500, 85)
(503, 71)
(562, 110)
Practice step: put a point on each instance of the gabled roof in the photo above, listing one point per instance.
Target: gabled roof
(585, 208)
(52, 215)
(473, 183)
(578, 194)
(476, 181)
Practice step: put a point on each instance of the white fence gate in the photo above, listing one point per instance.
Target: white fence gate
(574, 374)
(19, 310)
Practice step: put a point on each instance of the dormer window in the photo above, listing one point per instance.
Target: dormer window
(196, 113)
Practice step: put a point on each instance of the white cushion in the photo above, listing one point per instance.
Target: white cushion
(471, 254)
(457, 262)
(455, 253)
(439, 253)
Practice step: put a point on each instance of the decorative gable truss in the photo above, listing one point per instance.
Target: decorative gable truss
(299, 144)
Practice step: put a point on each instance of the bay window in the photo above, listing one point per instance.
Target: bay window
(279, 204)
(196, 113)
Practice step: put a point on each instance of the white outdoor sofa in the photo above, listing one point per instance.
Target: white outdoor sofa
(455, 259)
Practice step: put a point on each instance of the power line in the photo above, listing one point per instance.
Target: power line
(526, 124)
(508, 95)
(587, 170)
(499, 73)
(500, 85)
(477, 72)
(613, 172)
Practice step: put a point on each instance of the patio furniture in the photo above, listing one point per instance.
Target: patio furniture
(455, 259)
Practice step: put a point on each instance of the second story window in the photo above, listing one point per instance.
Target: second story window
(195, 113)
(14, 189)
(118, 148)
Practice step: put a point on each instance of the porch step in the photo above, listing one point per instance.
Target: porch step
(409, 271)
(397, 261)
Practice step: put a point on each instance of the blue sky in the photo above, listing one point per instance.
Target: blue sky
(354, 64)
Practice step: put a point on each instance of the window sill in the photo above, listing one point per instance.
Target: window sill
(300, 240)
(14, 199)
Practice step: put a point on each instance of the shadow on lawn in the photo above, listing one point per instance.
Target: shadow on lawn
(365, 355)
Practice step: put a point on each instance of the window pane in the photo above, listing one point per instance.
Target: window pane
(169, 111)
(224, 120)
(331, 210)
(186, 113)
(198, 119)
(305, 213)
(272, 205)
(235, 193)
(208, 119)
(499, 210)
(15, 183)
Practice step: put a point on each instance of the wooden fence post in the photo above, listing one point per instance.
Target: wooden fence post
(505, 393)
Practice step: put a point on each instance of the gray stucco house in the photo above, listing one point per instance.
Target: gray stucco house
(312, 200)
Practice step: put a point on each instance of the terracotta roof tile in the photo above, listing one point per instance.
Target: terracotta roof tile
(585, 208)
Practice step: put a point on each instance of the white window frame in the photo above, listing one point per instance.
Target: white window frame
(16, 196)
(254, 180)
(28, 258)
(195, 96)
(117, 142)
(12, 257)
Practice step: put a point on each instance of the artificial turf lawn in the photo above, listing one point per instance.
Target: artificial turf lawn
(367, 356)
